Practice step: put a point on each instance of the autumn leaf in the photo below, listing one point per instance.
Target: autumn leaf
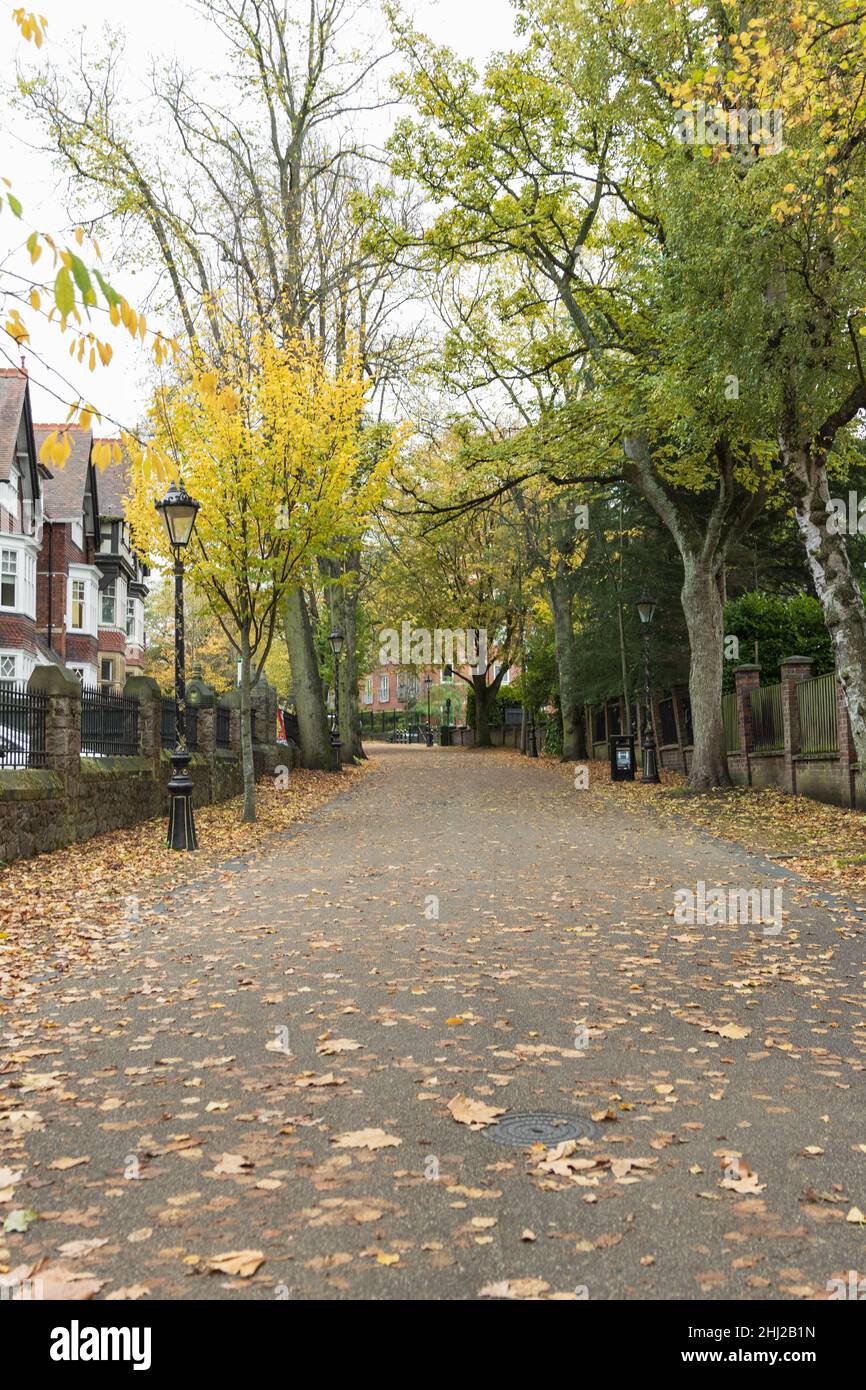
(473, 1113)
(365, 1139)
(515, 1289)
(242, 1263)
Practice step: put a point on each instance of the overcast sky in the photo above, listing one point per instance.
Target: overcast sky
(157, 28)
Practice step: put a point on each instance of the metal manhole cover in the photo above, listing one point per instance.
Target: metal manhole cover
(542, 1128)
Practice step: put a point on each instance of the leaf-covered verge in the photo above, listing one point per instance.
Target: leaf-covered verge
(72, 905)
(823, 843)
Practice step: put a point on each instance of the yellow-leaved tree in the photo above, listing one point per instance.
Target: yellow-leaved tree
(268, 442)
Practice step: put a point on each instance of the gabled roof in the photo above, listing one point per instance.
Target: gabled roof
(115, 483)
(65, 492)
(15, 402)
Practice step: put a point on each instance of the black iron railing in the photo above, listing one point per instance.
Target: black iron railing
(393, 724)
(22, 726)
(168, 725)
(223, 726)
(768, 731)
(109, 724)
(668, 721)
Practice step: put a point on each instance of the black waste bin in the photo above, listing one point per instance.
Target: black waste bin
(445, 736)
(622, 765)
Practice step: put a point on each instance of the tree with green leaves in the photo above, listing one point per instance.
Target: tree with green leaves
(563, 154)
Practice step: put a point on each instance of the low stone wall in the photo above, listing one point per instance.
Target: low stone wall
(76, 797)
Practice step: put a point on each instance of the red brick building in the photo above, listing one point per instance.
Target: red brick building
(68, 577)
(21, 480)
(123, 585)
(71, 587)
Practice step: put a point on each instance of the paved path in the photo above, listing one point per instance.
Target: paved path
(555, 979)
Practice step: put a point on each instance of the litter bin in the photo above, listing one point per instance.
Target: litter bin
(622, 764)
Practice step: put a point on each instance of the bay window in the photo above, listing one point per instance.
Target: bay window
(108, 615)
(8, 578)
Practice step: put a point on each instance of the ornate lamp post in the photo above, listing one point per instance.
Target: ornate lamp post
(428, 737)
(336, 640)
(646, 607)
(178, 511)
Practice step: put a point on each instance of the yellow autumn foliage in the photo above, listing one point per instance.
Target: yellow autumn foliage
(269, 442)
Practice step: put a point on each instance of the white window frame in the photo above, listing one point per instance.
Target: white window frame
(368, 690)
(108, 592)
(9, 574)
(24, 571)
(23, 664)
(110, 681)
(85, 672)
(90, 576)
(9, 494)
(384, 686)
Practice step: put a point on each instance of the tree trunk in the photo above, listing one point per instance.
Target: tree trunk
(314, 733)
(343, 610)
(350, 714)
(702, 597)
(482, 703)
(835, 582)
(560, 596)
(703, 607)
(247, 761)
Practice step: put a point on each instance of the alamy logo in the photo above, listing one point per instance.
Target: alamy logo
(854, 1288)
(716, 906)
(418, 646)
(847, 520)
(76, 1343)
(714, 125)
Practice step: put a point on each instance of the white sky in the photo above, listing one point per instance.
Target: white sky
(474, 28)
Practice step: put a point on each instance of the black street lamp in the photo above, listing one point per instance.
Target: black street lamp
(428, 737)
(336, 640)
(646, 607)
(178, 511)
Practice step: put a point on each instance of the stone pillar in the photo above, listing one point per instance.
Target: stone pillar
(62, 723)
(233, 700)
(794, 669)
(263, 699)
(746, 679)
(202, 697)
(149, 696)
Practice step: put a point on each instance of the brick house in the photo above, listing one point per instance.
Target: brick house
(72, 588)
(68, 577)
(21, 530)
(122, 586)
(391, 688)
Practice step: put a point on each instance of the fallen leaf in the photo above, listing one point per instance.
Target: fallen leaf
(473, 1113)
(365, 1139)
(242, 1263)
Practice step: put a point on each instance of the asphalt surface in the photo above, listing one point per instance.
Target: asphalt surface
(554, 979)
